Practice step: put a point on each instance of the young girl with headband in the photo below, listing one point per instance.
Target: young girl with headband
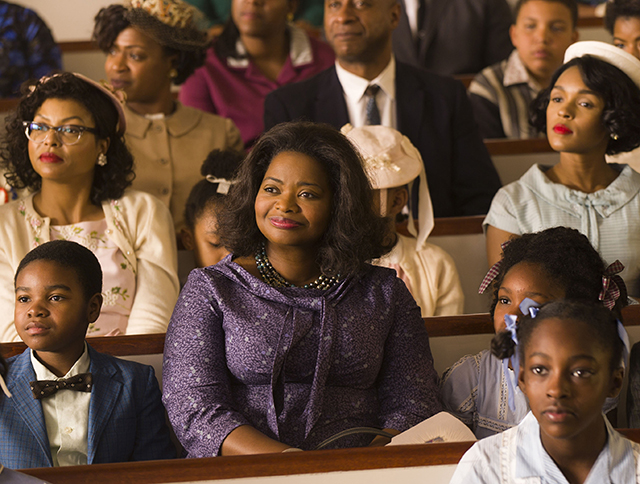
(556, 263)
(571, 355)
(200, 233)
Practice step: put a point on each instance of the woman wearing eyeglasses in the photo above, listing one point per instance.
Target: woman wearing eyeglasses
(64, 143)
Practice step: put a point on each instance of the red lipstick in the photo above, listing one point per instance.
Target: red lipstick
(50, 158)
(284, 223)
(561, 129)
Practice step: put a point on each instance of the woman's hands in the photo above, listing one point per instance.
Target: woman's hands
(247, 440)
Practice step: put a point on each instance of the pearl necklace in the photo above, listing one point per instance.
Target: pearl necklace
(273, 277)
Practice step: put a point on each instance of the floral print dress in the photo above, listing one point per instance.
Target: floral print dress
(118, 278)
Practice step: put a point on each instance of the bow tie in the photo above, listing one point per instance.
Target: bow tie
(45, 388)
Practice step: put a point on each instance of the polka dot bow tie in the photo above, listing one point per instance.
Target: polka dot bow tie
(45, 388)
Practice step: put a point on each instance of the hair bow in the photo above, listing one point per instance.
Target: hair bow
(611, 284)
(223, 183)
(527, 307)
(493, 272)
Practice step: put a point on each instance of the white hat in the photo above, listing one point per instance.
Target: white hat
(391, 160)
(608, 53)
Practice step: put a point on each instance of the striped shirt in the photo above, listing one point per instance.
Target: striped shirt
(608, 217)
(500, 96)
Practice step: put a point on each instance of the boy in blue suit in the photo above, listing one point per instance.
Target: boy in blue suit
(71, 405)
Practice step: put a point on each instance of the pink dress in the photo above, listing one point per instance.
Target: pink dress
(118, 278)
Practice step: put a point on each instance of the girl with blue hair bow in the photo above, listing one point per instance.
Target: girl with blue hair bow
(481, 390)
(572, 355)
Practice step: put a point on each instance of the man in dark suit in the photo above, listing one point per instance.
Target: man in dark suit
(453, 36)
(432, 111)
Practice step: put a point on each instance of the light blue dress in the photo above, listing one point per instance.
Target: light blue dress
(608, 217)
(475, 390)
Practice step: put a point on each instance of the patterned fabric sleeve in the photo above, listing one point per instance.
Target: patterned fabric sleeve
(408, 388)
(197, 388)
(459, 389)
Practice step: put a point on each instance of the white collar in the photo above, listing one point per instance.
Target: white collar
(300, 50)
(355, 86)
(516, 73)
(80, 366)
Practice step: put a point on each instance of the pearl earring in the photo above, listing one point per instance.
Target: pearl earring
(102, 159)
(614, 137)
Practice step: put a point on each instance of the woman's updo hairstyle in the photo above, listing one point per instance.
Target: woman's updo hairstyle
(110, 180)
(568, 260)
(621, 113)
(355, 235)
(220, 164)
(602, 323)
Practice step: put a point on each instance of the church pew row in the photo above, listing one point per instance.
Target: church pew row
(413, 464)
(409, 463)
(437, 326)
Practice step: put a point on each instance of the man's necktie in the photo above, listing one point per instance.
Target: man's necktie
(45, 388)
(373, 114)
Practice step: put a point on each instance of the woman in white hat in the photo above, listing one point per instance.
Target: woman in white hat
(392, 164)
(591, 109)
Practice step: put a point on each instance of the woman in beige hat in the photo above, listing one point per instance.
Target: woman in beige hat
(150, 45)
(392, 164)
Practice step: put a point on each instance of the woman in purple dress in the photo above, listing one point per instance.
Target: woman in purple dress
(293, 337)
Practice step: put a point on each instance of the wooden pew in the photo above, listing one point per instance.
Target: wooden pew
(437, 326)
(213, 469)
(513, 157)
(424, 458)
(468, 324)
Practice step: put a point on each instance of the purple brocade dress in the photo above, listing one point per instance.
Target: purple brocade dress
(297, 364)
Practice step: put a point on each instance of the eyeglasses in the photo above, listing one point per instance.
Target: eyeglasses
(68, 134)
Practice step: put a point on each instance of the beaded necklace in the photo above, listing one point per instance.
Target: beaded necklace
(273, 277)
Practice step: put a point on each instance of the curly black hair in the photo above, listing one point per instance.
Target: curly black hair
(356, 234)
(112, 20)
(602, 324)
(621, 113)
(620, 8)
(572, 5)
(109, 181)
(219, 164)
(567, 258)
(70, 255)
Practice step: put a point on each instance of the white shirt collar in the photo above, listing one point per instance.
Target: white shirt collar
(300, 50)
(355, 86)
(80, 366)
(516, 73)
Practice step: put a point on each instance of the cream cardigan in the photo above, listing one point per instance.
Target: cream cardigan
(141, 227)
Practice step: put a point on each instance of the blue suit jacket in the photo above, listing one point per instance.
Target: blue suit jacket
(126, 416)
(433, 111)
